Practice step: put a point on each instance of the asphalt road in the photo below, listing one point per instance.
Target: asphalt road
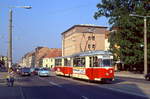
(34, 87)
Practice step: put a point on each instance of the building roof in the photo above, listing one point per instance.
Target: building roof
(83, 25)
(54, 52)
(42, 52)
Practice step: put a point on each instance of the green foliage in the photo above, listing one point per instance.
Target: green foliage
(129, 35)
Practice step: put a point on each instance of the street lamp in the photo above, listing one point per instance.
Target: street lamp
(145, 40)
(10, 33)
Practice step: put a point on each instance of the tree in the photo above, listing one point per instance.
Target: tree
(129, 34)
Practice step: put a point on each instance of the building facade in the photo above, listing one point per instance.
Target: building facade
(49, 59)
(81, 38)
(35, 58)
(27, 60)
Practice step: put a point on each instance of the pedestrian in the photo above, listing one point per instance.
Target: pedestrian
(10, 78)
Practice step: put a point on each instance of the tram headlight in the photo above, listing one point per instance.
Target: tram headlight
(107, 74)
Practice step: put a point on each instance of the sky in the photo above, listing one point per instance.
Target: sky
(43, 24)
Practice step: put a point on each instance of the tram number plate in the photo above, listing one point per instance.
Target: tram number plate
(79, 71)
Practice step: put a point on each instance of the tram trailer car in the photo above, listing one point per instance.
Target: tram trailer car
(93, 65)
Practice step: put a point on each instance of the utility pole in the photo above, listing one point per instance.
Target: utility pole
(10, 40)
(145, 46)
(145, 40)
(10, 34)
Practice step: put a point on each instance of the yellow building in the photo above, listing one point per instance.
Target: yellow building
(48, 62)
(49, 59)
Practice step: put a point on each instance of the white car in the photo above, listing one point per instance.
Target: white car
(44, 72)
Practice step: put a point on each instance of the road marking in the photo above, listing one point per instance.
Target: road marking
(55, 84)
(21, 92)
(84, 97)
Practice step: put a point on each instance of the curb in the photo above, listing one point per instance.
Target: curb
(131, 76)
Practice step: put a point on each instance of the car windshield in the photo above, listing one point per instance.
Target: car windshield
(44, 69)
(36, 69)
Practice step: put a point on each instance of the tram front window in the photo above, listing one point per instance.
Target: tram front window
(107, 62)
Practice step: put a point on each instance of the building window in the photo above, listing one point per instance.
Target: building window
(89, 46)
(93, 37)
(89, 37)
(93, 46)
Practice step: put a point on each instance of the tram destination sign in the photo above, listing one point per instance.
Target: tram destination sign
(79, 70)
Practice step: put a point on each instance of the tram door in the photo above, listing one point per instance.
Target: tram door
(94, 61)
(94, 64)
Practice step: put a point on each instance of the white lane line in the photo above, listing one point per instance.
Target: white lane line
(21, 92)
(55, 84)
(84, 97)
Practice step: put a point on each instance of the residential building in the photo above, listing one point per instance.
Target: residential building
(35, 58)
(40, 53)
(80, 38)
(49, 59)
(27, 60)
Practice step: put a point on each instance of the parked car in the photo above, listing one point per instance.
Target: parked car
(44, 72)
(25, 71)
(147, 76)
(35, 72)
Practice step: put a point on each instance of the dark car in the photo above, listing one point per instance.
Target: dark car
(34, 71)
(25, 72)
(147, 76)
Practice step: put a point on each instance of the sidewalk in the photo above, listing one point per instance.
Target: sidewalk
(8, 92)
(129, 75)
(3, 75)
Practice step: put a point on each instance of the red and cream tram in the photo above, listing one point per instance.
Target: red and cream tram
(93, 65)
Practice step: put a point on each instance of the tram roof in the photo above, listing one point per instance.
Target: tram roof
(87, 53)
(91, 53)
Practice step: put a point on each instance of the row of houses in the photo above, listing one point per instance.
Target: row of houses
(35, 58)
(78, 38)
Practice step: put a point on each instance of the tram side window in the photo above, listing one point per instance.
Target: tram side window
(67, 62)
(95, 62)
(82, 62)
(57, 62)
(74, 62)
(100, 62)
(79, 62)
